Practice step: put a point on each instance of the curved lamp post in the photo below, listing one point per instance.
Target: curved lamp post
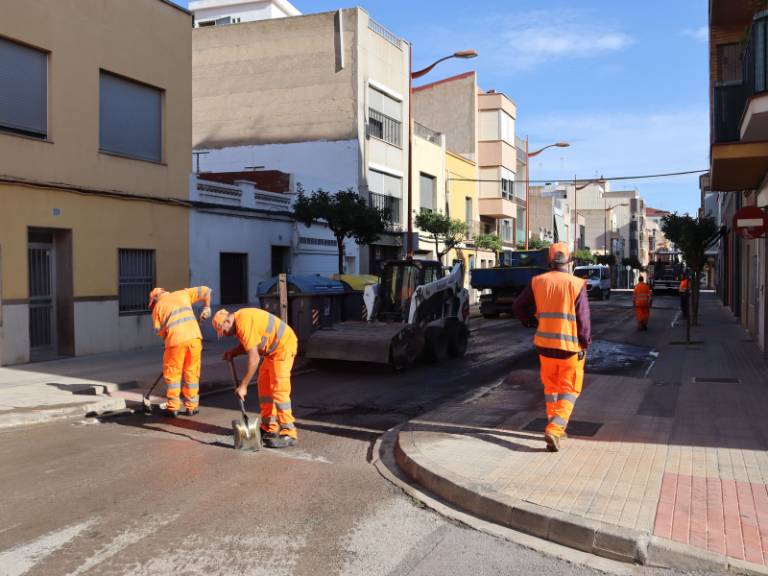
(528, 178)
(411, 75)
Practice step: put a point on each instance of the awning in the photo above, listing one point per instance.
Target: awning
(738, 166)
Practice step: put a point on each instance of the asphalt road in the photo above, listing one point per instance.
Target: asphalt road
(137, 495)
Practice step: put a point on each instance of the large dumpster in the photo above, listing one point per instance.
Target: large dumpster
(313, 302)
(353, 306)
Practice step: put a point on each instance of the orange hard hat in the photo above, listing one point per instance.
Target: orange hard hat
(218, 321)
(559, 253)
(154, 295)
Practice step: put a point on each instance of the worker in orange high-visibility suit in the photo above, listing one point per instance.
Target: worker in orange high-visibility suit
(264, 337)
(641, 298)
(685, 295)
(174, 320)
(557, 304)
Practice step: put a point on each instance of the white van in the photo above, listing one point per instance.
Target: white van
(598, 277)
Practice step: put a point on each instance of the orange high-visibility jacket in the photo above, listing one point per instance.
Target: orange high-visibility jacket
(555, 294)
(174, 318)
(684, 285)
(641, 295)
(256, 328)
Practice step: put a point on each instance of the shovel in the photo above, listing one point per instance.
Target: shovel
(147, 403)
(247, 434)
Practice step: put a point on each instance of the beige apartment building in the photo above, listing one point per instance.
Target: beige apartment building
(323, 97)
(95, 154)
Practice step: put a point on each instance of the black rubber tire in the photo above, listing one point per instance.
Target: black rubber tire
(490, 315)
(435, 344)
(458, 339)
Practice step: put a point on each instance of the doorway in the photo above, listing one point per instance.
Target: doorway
(233, 271)
(280, 260)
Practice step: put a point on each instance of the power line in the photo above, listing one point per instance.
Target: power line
(600, 179)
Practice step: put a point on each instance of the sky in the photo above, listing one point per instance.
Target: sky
(625, 83)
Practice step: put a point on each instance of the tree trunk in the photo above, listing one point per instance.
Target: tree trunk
(695, 298)
(340, 248)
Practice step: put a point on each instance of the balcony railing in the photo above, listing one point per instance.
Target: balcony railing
(729, 103)
(384, 33)
(389, 204)
(384, 127)
(427, 134)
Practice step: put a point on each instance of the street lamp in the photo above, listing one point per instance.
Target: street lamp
(528, 179)
(411, 75)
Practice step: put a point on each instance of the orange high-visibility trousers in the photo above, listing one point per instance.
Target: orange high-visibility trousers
(642, 315)
(182, 362)
(562, 381)
(275, 390)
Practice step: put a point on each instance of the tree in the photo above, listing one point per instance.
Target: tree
(583, 256)
(442, 230)
(534, 244)
(609, 259)
(488, 242)
(692, 236)
(346, 213)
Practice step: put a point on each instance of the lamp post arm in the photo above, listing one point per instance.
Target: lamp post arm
(428, 69)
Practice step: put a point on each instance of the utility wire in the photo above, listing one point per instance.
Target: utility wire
(600, 179)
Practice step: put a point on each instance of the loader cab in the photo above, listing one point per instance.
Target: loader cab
(399, 280)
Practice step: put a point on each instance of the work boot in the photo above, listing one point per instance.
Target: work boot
(168, 412)
(191, 412)
(280, 442)
(553, 442)
(265, 435)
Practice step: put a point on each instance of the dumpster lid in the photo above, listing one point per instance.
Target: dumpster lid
(303, 284)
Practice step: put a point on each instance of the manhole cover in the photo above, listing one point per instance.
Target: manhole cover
(699, 380)
(575, 427)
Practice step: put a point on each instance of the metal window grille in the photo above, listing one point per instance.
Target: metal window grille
(389, 204)
(317, 241)
(384, 127)
(137, 278)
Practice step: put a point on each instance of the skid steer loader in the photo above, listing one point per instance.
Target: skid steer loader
(416, 309)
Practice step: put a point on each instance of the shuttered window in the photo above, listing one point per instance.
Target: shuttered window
(130, 118)
(23, 90)
(427, 192)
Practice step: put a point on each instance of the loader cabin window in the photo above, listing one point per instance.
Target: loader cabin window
(23, 90)
(130, 118)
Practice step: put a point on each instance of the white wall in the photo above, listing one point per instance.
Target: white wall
(14, 334)
(329, 165)
(246, 11)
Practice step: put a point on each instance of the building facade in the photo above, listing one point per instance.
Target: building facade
(95, 154)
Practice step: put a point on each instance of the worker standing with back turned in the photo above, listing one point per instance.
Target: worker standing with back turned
(557, 303)
(641, 298)
(265, 337)
(175, 322)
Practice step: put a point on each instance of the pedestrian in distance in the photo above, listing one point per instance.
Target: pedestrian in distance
(642, 297)
(266, 339)
(175, 322)
(685, 295)
(556, 303)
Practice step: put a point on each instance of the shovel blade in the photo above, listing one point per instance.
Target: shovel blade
(247, 436)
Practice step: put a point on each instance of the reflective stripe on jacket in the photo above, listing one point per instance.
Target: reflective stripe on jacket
(256, 328)
(173, 317)
(555, 294)
(641, 295)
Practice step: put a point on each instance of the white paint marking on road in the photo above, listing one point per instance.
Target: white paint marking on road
(297, 455)
(121, 542)
(21, 559)
(674, 320)
(650, 367)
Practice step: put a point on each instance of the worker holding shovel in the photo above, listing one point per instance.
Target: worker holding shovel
(175, 322)
(266, 338)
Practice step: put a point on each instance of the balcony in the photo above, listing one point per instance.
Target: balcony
(384, 127)
(730, 100)
(427, 134)
(497, 208)
(389, 204)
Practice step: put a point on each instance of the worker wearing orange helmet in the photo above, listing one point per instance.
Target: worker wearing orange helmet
(557, 304)
(264, 337)
(175, 322)
(642, 296)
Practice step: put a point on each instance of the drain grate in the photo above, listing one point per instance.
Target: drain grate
(684, 343)
(699, 380)
(575, 427)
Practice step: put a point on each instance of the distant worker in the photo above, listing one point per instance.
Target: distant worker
(557, 303)
(264, 337)
(175, 322)
(685, 295)
(642, 296)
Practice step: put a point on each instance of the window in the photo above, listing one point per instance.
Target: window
(385, 193)
(218, 22)
(729, 63)
(496, 125)
(23, 90)
(427, 192)
(385, 116)
(130, 118)
(136, 270)
(468, 215)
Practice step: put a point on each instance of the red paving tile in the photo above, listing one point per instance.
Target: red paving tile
(723, 516)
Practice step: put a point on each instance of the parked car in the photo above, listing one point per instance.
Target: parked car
(598, 277)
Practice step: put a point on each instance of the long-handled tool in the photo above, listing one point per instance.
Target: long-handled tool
(147, 403)
(247, 434)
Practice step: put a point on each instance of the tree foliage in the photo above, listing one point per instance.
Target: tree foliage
(534, 244)
(583, 256)
(346, 214)
(442, 230)
(609, 259)
(488, 242)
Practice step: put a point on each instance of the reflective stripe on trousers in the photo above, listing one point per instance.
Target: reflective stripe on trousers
(562, 381)
(183, 363)
(275, 391)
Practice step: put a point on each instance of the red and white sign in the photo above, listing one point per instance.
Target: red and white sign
(750, 222)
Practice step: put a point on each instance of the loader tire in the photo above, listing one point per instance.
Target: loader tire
(490, 315)
(435, 344)
(458, 338)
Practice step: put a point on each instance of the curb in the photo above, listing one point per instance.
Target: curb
(591, 536)
(32, 416)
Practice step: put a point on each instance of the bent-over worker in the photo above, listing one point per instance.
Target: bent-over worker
(642, 296)
(557, 303)
(175, 322)
(264, 337)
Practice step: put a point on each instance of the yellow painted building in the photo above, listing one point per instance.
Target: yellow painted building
(428, 177)
(95, 155)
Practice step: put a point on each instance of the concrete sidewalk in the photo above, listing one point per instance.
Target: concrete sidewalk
(98, 384)
(675, 475)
